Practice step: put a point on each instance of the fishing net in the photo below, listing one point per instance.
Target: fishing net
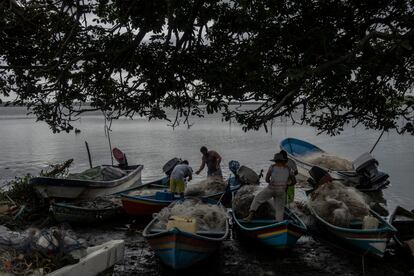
(338, 204)
(108, 202)
(330, 162)
(211, 185)
(144, 192)
(38, 252)
(99, 173)
(209, 217)
(243, 199)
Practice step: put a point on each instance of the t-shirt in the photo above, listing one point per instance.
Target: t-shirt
(181, 171)
(280, 176)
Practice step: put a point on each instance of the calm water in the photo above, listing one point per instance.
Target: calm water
(27, 146)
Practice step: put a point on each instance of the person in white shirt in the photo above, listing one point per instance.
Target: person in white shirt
(277, 176)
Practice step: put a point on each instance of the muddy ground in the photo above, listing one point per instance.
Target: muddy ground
(313, 255)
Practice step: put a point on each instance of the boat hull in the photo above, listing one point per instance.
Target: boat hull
(140, 206)
(371, 242)
(82, 189)
(403, 220)
(281, 235)
(180, 250)
(298, 149)
(77, 215)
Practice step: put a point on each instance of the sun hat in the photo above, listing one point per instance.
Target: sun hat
(278, 157)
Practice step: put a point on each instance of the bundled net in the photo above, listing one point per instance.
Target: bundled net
(338, 204)
(209, 217)
(145, 192)
(243, 199)
(330, 162)
(211, 185)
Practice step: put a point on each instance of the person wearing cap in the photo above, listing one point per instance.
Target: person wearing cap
(277, 176)
(212, 159)
(179, 175)
(290, 193)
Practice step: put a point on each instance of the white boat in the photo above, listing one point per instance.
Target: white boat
(50, 187)
(99, 259)
(364, 175)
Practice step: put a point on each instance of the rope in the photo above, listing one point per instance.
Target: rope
(379, 138)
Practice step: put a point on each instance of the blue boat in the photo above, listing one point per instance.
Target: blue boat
(364, 176)
(279, 235)
(146, 205)
(371, 242)
(179, 249)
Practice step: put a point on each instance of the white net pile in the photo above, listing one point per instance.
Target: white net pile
(211, 185)
(243, 199)
(209, 217)
(338, 204)
(330, 162)
(144, 192)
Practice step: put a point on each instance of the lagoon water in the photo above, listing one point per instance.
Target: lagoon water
(27, 146)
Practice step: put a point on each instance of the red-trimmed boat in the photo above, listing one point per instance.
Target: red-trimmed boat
(279, 235)
(147, 199)
(159, 197)
(179, 249)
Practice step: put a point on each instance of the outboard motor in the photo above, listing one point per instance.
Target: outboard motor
(366, 167)
(318, 176)
(170, 165)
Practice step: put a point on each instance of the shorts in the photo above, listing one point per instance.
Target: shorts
(177, 186)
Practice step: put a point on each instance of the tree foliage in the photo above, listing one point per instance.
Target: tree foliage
(324, 63)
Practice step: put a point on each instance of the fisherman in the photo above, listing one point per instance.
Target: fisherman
(213, 160)
(290, 194)
(278, 177)
(179, 175)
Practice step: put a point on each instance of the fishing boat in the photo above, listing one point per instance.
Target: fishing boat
(49, 187)
(371, 242)
(180, 249)
(364, 175)
(99, 259)
(155, 198)
(86, 212)
(403, 220)
(279, 235)
(160, 197)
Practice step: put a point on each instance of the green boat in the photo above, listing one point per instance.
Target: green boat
(96, 211)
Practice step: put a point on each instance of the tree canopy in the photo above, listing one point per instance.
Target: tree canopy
(326, 63)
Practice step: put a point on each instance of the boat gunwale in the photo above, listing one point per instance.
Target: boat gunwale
(387, 228)
(175, 231)
(146, 198)
(406, 213)
(70, 206)
(90, 184)
(285, 222)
